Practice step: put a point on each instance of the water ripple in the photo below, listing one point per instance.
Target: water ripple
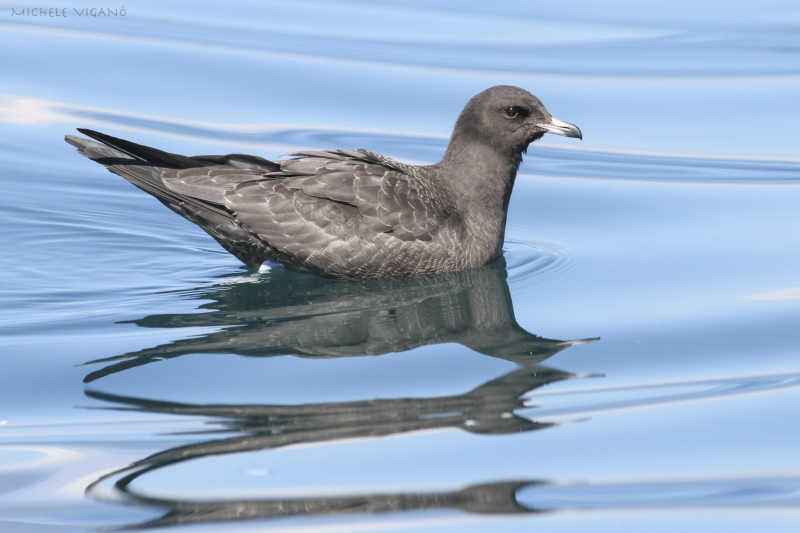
(604, 399)
(530, 260)
(755, 492)
(505, 37)
(680, 168)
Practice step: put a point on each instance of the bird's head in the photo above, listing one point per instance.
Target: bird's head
(508, 119)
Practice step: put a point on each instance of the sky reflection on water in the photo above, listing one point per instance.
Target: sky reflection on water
(133, 346)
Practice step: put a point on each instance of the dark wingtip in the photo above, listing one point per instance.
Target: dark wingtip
(90, 133)
(144, 153)
(97, 136)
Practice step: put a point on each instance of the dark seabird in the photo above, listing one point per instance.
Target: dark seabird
(351, 214)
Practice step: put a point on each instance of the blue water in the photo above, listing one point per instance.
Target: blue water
(631, 364)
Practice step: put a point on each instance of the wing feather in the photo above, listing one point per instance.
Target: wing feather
(341, 213)
(327, 208)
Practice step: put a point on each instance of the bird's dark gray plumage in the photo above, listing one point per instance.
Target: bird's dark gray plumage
(351, 214)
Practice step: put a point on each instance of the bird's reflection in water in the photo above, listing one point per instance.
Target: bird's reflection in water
(308, 316)
(312, 317)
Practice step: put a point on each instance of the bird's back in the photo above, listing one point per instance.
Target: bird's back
(341, 213)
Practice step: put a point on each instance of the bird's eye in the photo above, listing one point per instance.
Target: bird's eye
(511, 112)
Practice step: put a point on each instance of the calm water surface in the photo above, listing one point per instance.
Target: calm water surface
(631, 364)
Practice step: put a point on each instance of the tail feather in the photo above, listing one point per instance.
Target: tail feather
(145, 153)
(144, 174)
(143, 166)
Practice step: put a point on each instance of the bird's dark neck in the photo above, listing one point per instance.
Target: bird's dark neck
(480, 180)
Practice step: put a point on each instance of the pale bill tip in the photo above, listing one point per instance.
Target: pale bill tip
(559, 127)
